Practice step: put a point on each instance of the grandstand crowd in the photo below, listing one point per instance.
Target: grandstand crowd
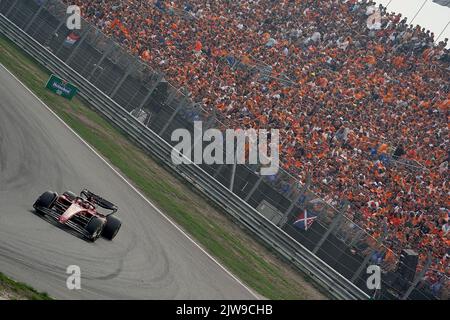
(362, 106)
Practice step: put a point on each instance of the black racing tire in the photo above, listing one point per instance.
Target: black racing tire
(70, 195)
(111, 228)
(94, 228)
(46, 200)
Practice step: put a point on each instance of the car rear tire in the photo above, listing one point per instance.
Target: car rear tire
(94, 228)
(111, 228)
(70, 195)
(46, 200)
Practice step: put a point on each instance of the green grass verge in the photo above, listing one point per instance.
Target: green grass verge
(218, 235)
(12, 290)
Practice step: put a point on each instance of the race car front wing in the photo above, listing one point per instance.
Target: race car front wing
(55, 215)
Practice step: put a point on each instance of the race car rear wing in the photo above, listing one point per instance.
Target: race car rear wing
(105, 204)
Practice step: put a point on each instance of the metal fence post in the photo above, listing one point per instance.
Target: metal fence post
(72, 54)
(418, 277)
(218, 170)
(301, 193)
(104, 55)
(150, 91)
(362, 266)
(366, 260)
(11, 8)
(180, 105)
(253, 190)
(233, 172)
(33, 18)
(49, 38)
(128, 71)
(171, 96)
(331, 228)
(195, 142)
(284, 219)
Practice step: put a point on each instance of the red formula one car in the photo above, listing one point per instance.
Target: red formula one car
(80, 213)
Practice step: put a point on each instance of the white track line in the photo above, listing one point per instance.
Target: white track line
(132, 187)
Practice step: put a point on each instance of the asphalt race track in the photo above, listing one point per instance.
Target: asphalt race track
(149, 259)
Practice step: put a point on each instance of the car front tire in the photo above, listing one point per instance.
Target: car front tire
(46, 200)
(111, 228)
(94, 228)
